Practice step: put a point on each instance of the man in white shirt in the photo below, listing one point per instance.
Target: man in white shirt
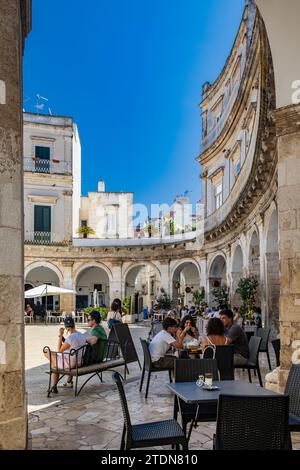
(162, 342)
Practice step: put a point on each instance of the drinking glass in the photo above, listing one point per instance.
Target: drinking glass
(208, 380)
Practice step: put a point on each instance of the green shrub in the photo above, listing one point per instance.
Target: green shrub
(102, 310)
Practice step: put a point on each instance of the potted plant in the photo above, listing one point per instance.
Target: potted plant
(85, 231)
(198, 297)
(163, 302)
(221, 294)
(247, 289)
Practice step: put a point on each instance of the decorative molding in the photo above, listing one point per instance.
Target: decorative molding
(43, 200)
(42, 139)
(265, 157)
(287, 120)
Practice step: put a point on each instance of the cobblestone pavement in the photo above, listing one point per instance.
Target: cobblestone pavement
(94, 420)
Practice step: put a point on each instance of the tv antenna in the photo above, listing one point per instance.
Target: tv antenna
(39, 102)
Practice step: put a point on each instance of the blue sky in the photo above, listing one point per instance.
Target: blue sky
(130, 72)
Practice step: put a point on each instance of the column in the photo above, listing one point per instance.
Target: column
(288, 132)
(68, 302)
(13, 409)
(262, 267)
(165, 282)
(115, 284)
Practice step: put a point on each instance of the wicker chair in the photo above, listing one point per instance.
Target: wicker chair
(161, 433)
(293, 390)
(253, 363)
(252, 423)
(264, 334)
(187, 370)
(148, 366)
(224, 356)
(276, 347)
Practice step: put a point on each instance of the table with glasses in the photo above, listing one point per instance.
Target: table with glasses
(192, 394)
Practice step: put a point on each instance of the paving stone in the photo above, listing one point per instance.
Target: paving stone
(94, 420)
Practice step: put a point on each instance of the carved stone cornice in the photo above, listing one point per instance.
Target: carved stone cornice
(265, 157)
(287, 120)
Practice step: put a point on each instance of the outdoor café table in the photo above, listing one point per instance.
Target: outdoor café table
(192, 394)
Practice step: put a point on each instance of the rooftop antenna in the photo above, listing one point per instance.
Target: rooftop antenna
(40, 106)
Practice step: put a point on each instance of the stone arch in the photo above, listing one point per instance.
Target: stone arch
(237, 269)
(39, 273)
(187, 275)
(85, 266)
(272, 273)
(92, 284)
(44, 264)
(141, 284)
(217, 274)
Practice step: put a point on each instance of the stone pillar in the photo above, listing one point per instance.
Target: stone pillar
(288, 132)
(13, 410)
(262, 270)
(165, 282)
(68, 302)
(115, 284)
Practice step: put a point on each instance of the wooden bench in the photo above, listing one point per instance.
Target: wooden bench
(84, 364)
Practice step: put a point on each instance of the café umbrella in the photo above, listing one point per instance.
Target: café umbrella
(46, 290)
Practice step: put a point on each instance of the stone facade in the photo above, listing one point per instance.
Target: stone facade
(15, 23)
(240, 232)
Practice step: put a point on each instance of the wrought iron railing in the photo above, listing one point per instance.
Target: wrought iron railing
(44, 238)
(40, 165)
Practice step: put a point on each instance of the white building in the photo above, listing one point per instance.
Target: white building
(109, 214)
(52, 178)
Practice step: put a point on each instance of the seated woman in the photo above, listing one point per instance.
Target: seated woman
(75, 340)
(28, 310)
(115, 314)
(215, 334)
(187, 330)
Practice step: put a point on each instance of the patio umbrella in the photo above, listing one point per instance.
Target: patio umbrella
(45, 290)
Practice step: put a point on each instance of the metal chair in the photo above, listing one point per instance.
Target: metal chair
(187, 370)
(293, 390)
(253, 363)
(264, 334)
(276, 347)
(148, 366)
(252, 423)
(160, 433)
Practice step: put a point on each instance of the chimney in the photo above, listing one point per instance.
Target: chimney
(101, 186)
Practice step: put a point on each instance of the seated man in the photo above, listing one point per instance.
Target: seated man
(75, 340)
(235, 335)
(162, 342)
(97, 337)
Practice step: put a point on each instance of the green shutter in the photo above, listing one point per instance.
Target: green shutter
(42, 219)
(42, 152)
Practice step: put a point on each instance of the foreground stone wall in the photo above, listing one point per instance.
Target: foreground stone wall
(13, 413)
